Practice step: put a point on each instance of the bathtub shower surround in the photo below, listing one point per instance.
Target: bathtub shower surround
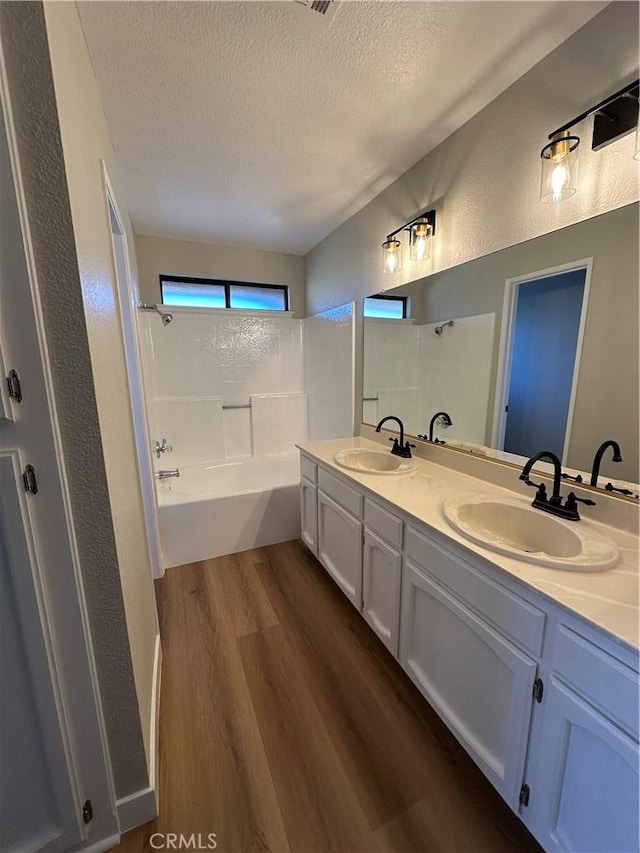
(226, 390)
(329, 359)
(410, 370)
(202, 371)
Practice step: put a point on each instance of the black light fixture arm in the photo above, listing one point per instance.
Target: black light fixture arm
(428, 215)
(632, 90)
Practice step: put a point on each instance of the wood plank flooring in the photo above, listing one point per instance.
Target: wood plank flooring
(285, 725)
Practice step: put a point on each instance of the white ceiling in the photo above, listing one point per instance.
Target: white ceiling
(259, 124)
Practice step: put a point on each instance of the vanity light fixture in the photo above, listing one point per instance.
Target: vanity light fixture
(614, 117)
(421, 230)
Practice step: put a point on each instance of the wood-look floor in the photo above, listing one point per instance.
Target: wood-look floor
(285, 725)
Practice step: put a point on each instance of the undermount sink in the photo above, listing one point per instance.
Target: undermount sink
(530, 535)
(373, 462)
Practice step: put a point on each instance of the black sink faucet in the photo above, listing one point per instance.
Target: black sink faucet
(446, 421)
(554, 503)
(400, 448)
(557, 474)
(597, 459)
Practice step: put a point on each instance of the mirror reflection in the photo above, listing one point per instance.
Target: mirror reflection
(524, 350)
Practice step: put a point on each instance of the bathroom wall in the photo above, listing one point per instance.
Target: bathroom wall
(411, 372)
(158, 256)
(206, 359)
(484, 179)
(329, 357)
(116, 558)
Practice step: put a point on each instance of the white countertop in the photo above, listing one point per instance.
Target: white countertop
(609, 599)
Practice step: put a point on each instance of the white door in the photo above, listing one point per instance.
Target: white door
(585, 793)
(54, 770)
(479, 683)
(340, 547)
(38, 801)
(381, 574)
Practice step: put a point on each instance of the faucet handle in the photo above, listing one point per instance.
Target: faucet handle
(577, 478)
(572, 501)
(541, 494)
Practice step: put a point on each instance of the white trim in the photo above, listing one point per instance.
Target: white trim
(133, 362)
(576, 365)
(505, 353)
(142, 806)
(154, 738)
(137, 808)
(102, 845)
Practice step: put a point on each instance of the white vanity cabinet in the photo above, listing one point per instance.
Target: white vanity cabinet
(382, 573)
(584, 766)
(479, 682)
(545, 703)
(340, 534)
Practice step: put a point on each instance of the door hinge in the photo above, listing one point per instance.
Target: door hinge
(538, 689)
(30, 481)
(87, 811)
(15, 388)
(525, 792)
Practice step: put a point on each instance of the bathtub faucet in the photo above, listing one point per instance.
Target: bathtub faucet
(164, 475)
(159, 449)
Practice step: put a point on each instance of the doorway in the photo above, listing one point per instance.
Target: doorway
(543, 323)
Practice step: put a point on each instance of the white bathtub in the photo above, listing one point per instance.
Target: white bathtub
(225, 507)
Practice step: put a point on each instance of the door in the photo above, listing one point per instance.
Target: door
(585, 792)
(52, 741)
(340, 547)
(309, 514)
(542, 370)
(479, 683)
(38, 801)
(381, 573)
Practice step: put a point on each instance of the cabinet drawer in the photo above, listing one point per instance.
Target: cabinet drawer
(602, 679)
(308, 469)
(511, 614)
(384, 523)
(340, 492)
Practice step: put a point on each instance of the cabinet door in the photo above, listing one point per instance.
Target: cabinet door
(309, 514)
(340, 547)
(381, 573)
(585, 788)
(478, 682)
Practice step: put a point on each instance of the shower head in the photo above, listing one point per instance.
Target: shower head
(438, 329)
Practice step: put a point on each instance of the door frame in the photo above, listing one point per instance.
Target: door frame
(64, 613)
(133, 361)
(505, 353)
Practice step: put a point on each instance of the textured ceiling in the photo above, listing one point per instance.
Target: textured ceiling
(258, 124)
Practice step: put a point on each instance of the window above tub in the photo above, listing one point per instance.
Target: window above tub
(216, 293)
(386, 307)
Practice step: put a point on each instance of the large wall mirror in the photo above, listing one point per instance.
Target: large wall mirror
(531, 348)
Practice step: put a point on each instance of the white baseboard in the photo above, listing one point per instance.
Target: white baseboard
(136, 809)
(142, 806)
(102, 845)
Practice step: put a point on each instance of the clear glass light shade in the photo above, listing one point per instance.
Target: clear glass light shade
(420, 236)
(391, 256)
(559, 168)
